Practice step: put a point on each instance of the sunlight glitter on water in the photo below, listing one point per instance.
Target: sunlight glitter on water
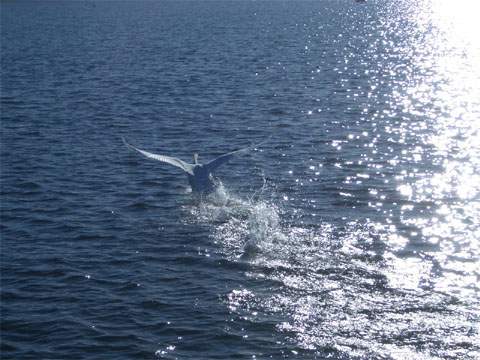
(446, 93)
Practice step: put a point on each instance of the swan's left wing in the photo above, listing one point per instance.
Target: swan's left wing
(163, 158)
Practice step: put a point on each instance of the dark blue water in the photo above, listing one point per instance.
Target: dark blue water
(352, 233)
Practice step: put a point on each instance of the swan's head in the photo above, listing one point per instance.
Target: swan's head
(195, 158)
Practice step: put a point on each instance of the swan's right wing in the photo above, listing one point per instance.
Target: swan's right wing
(222, 159)
(163, 158)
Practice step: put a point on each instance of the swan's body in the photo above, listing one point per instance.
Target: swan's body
(202, 180)
(200, 176)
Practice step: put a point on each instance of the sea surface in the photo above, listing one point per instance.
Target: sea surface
(351, 232)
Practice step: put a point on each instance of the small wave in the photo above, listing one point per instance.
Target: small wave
(140, 205)
(28, 185)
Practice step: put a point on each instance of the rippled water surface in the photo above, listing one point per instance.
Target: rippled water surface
(352, 233)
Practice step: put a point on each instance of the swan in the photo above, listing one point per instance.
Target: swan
(200, 176)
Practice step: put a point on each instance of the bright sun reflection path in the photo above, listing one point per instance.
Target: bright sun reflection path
(443, 90)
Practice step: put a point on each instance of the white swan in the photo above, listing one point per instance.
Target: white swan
(200, 176)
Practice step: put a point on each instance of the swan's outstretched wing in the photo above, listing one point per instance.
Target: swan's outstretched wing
(222, 159)
(166, 159)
